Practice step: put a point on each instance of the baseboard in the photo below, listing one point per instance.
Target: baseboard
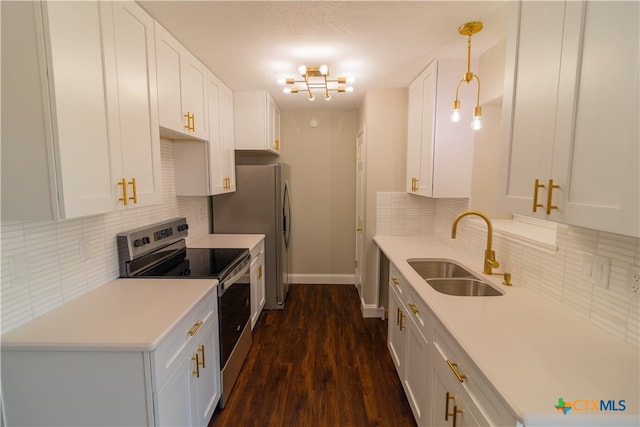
(323, 279)
(371, 310)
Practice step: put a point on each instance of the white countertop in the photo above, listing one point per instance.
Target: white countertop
(532, 350)
(125, 314)
(248, 241)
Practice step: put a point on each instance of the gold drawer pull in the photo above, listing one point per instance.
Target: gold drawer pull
(195, 328)
(395, 281)
(132, 183)
(401, 320)
(414, 309)
(453, 366)
(446, 406)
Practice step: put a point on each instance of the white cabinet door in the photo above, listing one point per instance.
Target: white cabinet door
(416, 377)
(257, 282)
(134, 101)
(175, 401)
(181, 89)
(256, 122)
(571, 116)
(206, 168)
(597, 153)
(397, 334)
(449, 401)
(207, 384)
(529, 103)
(439, 153)
(86, 176)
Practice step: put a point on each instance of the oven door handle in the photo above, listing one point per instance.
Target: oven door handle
(227, 283)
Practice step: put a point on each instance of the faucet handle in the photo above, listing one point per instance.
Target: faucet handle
(507, 278)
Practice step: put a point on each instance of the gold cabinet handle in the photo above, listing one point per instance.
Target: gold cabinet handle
(456, 411)
(195, 328)
(446, 406)
(196, 369)
(414, 184)
(414, 308)
(395, 281)
(359, 228)
(536, 187)
(550, 197)
(276, 144)
(454, 368)
(398, 316)
(123, 183)
(201, 351)
(260, 271)
(401, 320)
(132, 183)
(191, 122)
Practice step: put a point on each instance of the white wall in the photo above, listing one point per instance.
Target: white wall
(384, 114)
(322, 161)
(58, 270)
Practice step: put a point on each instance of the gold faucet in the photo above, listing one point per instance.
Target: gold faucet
(489, 255)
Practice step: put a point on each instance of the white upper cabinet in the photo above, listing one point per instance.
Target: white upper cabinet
(133, 84)
(571, 113)
(439, 152)
(68, 142)
(181, 89)
(206, 168)
(256, 122)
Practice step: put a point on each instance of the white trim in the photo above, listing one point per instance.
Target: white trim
(323, 279)
(371, 310)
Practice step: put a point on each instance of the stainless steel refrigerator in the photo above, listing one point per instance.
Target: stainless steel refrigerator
(261, 205)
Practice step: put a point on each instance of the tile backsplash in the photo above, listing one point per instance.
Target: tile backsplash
(68, 258)
(553, 274)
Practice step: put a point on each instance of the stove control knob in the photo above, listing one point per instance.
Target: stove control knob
(137, 243)
(183, 227)
(146, 240)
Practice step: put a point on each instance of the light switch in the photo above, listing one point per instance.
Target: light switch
(595, 269)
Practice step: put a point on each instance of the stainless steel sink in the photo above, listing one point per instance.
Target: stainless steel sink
(436, 269)
(449, 278)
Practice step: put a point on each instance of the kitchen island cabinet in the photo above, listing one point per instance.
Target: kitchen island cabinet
(516, 362)
(255, 244)
(76, 140)
(571, 117)
(132, 352)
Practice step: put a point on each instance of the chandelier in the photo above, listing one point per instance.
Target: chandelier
(468, 30)
(316, 79)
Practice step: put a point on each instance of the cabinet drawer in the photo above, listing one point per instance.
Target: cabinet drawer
(172, 349)
(397, 282)
(419, 313)
(475, 384)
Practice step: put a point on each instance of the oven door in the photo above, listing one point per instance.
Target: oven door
(234, 305)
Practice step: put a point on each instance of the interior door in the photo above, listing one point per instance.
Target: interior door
(360, 209)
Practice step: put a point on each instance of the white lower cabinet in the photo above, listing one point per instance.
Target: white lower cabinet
(409, 347)
(257, 282)
(427, 359)
(176, 384)
(190, 395)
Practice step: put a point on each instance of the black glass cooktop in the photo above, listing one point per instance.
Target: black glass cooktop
(198, 263)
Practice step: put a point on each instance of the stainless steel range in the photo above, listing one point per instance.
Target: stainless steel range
(160, 251)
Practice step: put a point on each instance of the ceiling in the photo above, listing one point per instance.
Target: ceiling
(382, 44)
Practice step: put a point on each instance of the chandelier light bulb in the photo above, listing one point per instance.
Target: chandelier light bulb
(282, 81)
(349, 89)
(324, 69)
(286, 89)
(455, 116)
(311, 97)
(327, 97)
(302, 70)
(476, 123)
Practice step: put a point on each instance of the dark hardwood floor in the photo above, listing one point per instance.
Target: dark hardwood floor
(317, 363)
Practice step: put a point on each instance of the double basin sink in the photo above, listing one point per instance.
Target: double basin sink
(449, 278)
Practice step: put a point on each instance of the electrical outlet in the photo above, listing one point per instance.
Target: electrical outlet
(595, 269)
(634, 280)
